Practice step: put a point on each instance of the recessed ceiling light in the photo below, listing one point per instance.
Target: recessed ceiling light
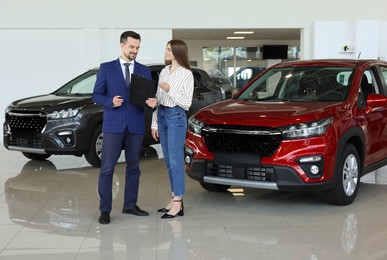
(235, 37)
(244, 32)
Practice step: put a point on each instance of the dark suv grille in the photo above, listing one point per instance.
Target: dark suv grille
(262, 141)
(26, 128)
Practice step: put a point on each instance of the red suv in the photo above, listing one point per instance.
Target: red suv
(314, 125)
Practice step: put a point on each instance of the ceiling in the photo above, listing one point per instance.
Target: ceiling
(221, 34)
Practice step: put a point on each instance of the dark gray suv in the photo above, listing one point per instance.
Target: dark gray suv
(67, 121)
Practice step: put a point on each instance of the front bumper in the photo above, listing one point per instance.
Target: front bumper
(292, 167)
(270, 177)
(66, 136)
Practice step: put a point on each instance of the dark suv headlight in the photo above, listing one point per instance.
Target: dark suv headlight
(306, 130)
(195, 126)
(64, 113)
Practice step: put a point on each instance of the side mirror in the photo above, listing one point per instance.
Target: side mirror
(374, 101)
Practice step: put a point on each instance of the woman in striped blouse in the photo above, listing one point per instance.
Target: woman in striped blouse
(169, 122)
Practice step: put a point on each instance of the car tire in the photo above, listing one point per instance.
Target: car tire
(148, 153)
(214, 187)
(348, 178)
(93, 156)
(36, 156)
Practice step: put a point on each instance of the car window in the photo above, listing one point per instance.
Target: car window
(244, 75)
(197, 80)
(384, 74)
(155, 77)
(83, 84)
(203, 80)
(302, 84)
(368, 84)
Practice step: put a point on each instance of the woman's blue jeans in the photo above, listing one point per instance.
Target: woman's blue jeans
(172, 127)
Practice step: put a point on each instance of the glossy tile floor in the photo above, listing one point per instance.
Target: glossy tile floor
(49, 210)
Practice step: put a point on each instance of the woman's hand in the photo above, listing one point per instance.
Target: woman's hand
(155, 134)
(152, 102)
(165, 86)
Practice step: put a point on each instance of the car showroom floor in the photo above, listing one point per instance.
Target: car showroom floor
(49, 210)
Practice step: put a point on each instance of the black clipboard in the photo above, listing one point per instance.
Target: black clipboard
(141, 89)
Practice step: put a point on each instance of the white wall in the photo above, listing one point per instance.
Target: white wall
(183, 14)
(366, 39)
(383, 40)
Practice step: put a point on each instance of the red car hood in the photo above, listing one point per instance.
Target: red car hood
(274, 114)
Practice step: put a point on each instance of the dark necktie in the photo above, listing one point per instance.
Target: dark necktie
(127, 74)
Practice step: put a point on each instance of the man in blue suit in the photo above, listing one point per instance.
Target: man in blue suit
(123, 125)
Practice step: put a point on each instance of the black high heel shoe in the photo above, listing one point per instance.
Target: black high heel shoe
(180, 213)
(163, 210)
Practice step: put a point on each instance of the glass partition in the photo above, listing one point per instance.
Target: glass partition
(237, 65)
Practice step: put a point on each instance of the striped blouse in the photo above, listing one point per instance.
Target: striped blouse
(180, 93)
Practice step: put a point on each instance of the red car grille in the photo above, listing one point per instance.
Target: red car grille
(262, 141)
(248, 173)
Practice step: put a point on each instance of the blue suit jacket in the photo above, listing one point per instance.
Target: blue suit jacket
(111, 82)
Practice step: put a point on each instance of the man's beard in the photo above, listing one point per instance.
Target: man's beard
(131, 56)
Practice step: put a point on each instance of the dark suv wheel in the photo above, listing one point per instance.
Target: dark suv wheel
(95, 151)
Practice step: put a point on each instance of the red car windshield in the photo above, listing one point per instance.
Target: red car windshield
(301, 84)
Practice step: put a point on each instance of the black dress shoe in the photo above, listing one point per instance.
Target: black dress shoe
(104, 218)
(135, 211)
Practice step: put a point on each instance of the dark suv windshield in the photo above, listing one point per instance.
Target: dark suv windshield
(301, 84)
(82, 85)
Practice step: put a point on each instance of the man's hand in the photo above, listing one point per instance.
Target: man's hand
(117, 101)
(152, 102)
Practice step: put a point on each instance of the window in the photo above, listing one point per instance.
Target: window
(384, 74)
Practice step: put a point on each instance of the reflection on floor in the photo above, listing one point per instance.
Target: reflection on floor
(49, 210)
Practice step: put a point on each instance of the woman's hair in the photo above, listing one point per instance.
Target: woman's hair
(180, 52)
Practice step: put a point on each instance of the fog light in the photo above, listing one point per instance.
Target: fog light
(312, 165)
(314, 169)
(66, 138)
(188, 156)
(187, 159)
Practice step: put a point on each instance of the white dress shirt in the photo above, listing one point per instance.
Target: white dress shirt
(131, 66)
(180, 94)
